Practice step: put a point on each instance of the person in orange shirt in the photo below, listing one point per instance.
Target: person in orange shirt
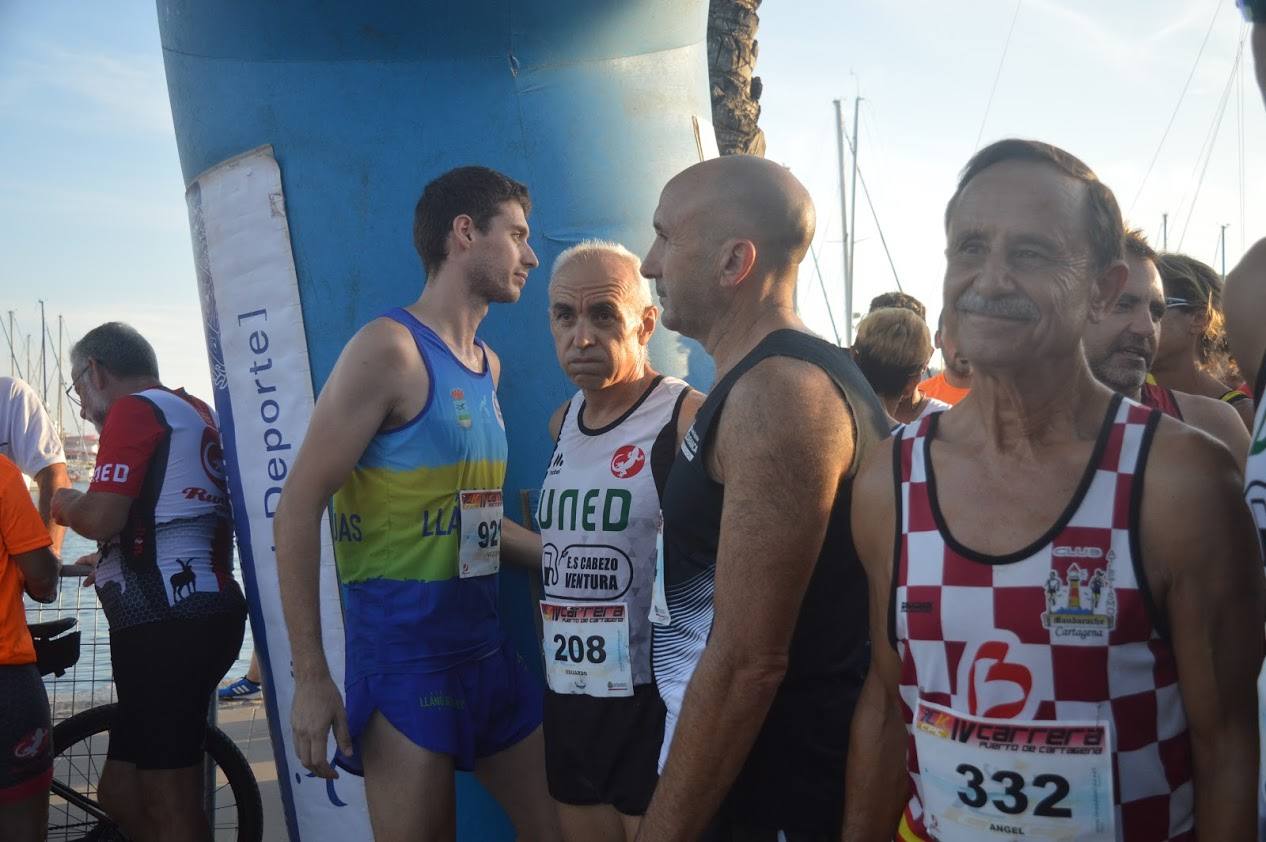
(26, 745)
(954, 381)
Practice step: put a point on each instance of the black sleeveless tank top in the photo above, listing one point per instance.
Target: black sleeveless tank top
(794, 777)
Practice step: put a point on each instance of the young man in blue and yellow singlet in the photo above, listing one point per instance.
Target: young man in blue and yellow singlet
(408, 440)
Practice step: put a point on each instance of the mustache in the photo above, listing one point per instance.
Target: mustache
(1144, 349)
(1004, 307)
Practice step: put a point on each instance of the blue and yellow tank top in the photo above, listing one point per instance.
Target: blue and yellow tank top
(397, 525)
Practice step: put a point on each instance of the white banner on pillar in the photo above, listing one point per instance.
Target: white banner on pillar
(263, 392)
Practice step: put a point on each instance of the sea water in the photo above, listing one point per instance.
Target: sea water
(89, 682)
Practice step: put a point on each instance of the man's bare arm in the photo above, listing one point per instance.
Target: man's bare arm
(358, 398)
(1200, 550)
(876, 784)
(520, 546)
(99, 515)
(40, 570)
(1220, 420)
(51, 478)
(1244, 300)
(761, 578)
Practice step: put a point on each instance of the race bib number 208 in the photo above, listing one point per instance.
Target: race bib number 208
(587, 648)
(984, 779)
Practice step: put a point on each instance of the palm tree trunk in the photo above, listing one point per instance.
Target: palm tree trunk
(732, 51)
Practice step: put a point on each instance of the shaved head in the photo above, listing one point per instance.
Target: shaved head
(748, 198)
(729, 232)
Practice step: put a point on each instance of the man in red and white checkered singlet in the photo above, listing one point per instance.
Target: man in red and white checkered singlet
(1060, 631)
(1066, 602)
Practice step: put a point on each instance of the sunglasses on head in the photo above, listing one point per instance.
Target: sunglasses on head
(1171, 303)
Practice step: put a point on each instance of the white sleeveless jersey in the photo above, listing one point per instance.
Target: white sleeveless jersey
(599, 510)
(1255, 495)
(1255, 468)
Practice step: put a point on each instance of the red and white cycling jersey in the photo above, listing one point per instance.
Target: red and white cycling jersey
(174, 557)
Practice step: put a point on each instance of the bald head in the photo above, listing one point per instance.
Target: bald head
(748, 198)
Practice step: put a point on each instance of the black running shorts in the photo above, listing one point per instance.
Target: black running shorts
(604, 751)
(164, 675)
(26, 740)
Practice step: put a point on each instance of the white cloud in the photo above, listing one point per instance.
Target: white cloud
(115, 93)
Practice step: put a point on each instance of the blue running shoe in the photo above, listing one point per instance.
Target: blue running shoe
(243, 688)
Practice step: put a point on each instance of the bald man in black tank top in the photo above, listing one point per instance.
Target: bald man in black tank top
(764, 649)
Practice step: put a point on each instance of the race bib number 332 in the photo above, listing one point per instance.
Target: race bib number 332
(983, 779)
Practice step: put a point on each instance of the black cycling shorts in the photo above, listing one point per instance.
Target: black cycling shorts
(26, 739)
(164, 675)
(604, 751)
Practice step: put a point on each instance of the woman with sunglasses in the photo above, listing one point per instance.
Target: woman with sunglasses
(1192, 333)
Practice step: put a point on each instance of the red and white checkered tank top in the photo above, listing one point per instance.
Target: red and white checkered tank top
(1064, 629)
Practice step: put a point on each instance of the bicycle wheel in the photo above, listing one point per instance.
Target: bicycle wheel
(80, 743)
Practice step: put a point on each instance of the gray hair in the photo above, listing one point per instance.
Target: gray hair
(593, 248)
(119, 348)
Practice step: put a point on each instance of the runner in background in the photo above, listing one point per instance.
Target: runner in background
(899, 299)
(28, 437)
(892, 348)
(158, 508)
(408, 421)
(764, 648)
(1192, 332)
(1121, 344)
(1066, 614)
(26, 745)
(600, 525)
(953, 382)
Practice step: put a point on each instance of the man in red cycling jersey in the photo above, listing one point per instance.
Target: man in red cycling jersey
(158, 508)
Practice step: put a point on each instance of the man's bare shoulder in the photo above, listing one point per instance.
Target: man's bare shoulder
(1244, 303)
(378, 372)
(1187, 468)
(785, 386)
(783, 410)
(556, 419)
(384, 339)
(1217, 418)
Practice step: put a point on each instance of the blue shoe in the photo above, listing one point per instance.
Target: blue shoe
(243, 688)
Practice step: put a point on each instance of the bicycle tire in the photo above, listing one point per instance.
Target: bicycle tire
(227, 756)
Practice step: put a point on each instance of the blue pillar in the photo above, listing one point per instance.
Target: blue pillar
(594, 104)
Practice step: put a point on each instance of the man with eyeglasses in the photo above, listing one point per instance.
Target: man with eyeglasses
(29, 439)
(158, 508)
(1121, 345)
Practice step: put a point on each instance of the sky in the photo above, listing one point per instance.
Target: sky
(93, 218)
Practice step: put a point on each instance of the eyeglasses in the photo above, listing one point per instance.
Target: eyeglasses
(70, 390)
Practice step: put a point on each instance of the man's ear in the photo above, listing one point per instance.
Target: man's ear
(738, 258)
(461, 233)
(650, 318)
(1107, 289)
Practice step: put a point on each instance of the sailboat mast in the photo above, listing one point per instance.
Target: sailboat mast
(43, 362)
(61, 378)
(848, 281)
(852, 211)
